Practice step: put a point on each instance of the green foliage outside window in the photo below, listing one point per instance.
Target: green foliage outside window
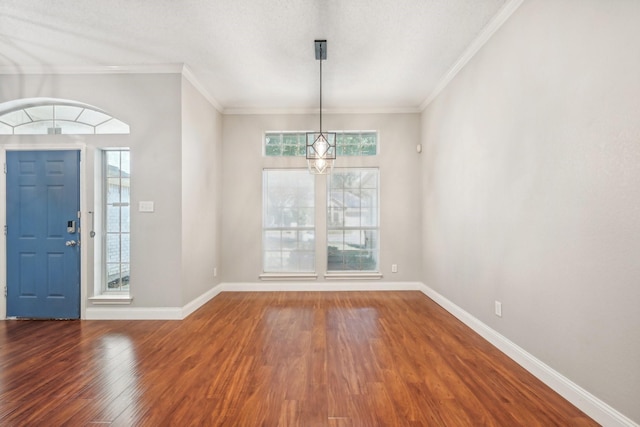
(293, 144)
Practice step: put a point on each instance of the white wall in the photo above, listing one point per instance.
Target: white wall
(242, 189)
(201, 195)
(150, 104)
(531, 191)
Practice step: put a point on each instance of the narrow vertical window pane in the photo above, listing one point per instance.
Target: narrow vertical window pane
(125, 163)
(124, 219)
(288, 221)
(124, 190)
(113, 163)
(113, 190)
(113, 277)
(124, 247)
(113, 219)
(117, 218)
(113, 247)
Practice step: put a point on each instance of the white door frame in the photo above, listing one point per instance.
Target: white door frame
(84, 235)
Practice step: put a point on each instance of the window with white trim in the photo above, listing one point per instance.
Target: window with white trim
(353, 228)
(42, 116)
(293, 144)
(288, 230)
(117, 231)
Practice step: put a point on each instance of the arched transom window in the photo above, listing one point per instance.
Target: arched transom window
(41, 116)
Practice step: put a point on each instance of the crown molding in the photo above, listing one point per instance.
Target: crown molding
(182, 69)
(487, 32)
(92, 69)
(191, 78)
(300, 111)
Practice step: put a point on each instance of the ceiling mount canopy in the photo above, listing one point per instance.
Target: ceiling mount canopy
(321, 146)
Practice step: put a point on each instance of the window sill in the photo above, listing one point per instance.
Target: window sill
(288, 276)
(111, 299)
(334, 275)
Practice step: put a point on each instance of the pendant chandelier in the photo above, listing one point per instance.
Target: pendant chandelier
(321, 146)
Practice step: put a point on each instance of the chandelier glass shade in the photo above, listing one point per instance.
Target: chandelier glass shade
(321, 151)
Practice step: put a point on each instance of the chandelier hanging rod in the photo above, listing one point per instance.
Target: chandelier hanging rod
(321, 146)
(321, 53)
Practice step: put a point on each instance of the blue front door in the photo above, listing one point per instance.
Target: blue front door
(43, 255)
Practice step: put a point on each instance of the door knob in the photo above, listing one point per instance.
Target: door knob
(71, 243)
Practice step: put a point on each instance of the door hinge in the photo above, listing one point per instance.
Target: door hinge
(78, 214)
(5, 168)
(5, 291)
(5, 230)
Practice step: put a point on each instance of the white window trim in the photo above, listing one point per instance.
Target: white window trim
(111, 299)
(288, 276)
(304, 132)
(360, 275)
(25, 104)
(102, 296)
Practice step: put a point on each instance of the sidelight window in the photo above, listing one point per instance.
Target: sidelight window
(117, 204)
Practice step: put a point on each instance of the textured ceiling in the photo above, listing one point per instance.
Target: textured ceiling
(258, 54)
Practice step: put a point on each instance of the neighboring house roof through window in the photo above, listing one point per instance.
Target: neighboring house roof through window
(41, 116)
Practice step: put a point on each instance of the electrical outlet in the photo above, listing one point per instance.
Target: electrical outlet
(394, 268)
(498, 308)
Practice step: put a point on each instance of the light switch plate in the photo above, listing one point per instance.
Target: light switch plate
(146, 206)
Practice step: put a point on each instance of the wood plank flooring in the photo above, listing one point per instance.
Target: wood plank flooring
(272, 359)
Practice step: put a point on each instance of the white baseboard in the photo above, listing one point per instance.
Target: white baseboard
(177, 313)
(201, 300)
(321, 287)
(133, 313)
(579, 397)
(121, 312)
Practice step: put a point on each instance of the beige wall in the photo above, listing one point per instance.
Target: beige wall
(531, 191)
(201, 195)
(242, 189)
(150, 104)
(176, 162)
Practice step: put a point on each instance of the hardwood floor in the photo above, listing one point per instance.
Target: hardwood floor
(272, 359)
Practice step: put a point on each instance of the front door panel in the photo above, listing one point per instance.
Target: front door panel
(43, 253)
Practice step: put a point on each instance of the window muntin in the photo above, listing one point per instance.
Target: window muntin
(353, 220)
(117, 204)
(288, 221)
(293, 144)
(41, 116)
(357, 144)
(285, 144)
